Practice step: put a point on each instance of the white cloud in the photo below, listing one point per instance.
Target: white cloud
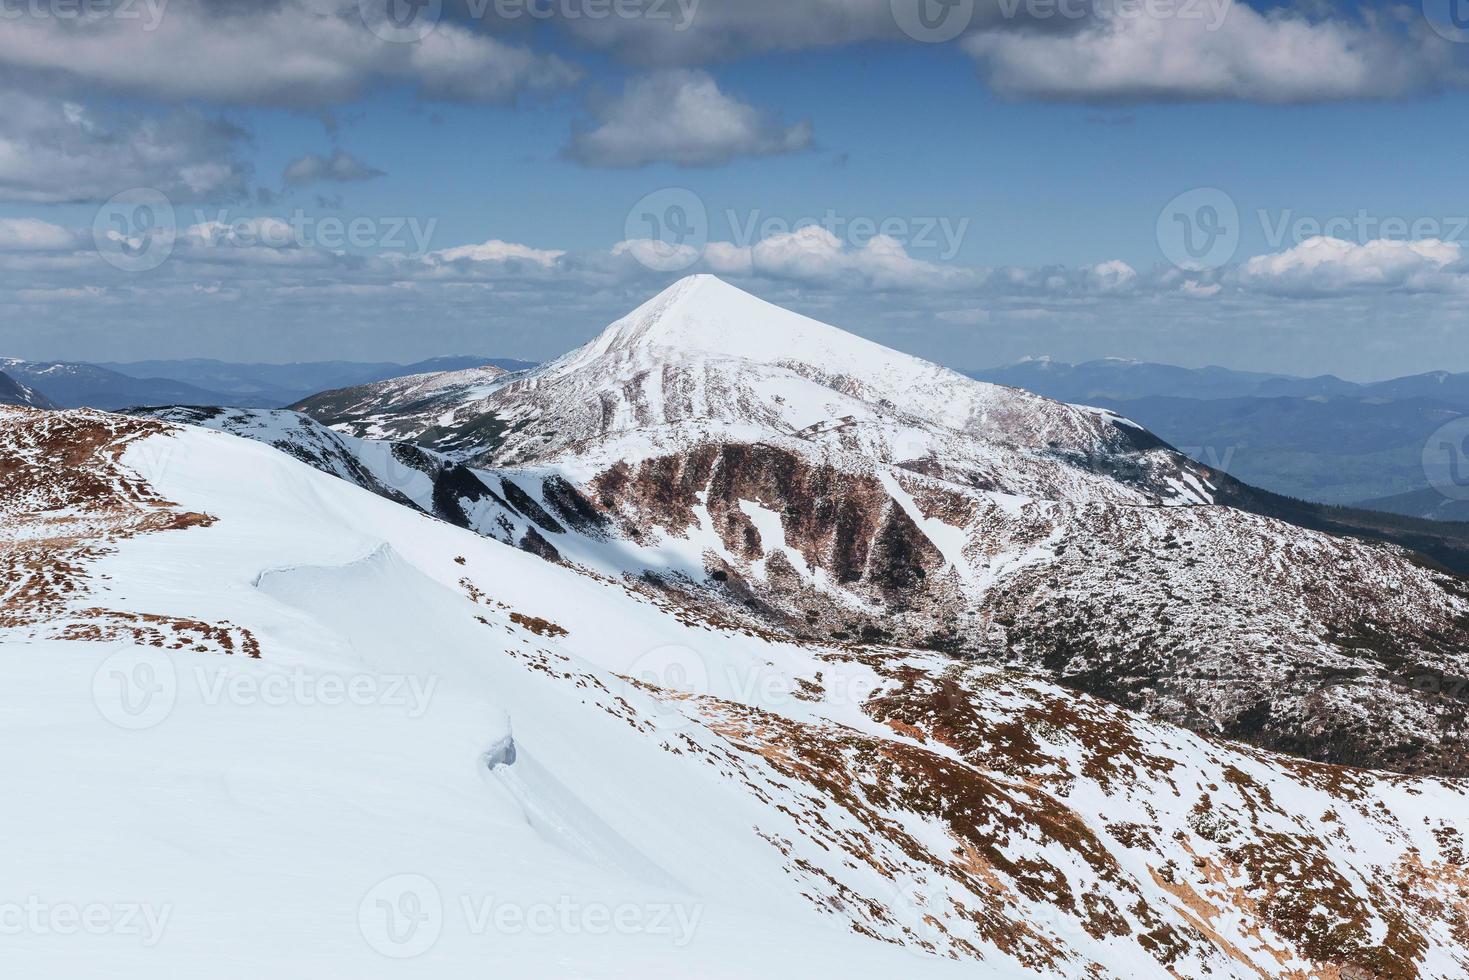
(494, 251)
(1331, 266)
(56, 152)
(1231, 53)
(294, 52)
(680, 117)
(810, 254)
(341, 167)
(29, 234)
(815, 254)
(1200, 290)
(1115, 276)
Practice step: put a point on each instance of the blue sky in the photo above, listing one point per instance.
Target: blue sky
(1019, 169)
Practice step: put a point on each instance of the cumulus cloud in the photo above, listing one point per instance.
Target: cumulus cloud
(1331, 266)
(1229, 51)
(1115, 276)
(30, 234)
(810, 255)
(494, 251)
(291, 52)
(58, 152)
(340, 168)
(680, 117)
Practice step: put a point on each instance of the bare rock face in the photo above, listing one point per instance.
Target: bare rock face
(842, 524)
(799, 479)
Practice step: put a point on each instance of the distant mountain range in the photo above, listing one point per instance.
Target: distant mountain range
(1116, 378)
(112, 386)
(1321, 439)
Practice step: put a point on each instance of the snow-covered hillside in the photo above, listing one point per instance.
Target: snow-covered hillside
(733, 456)
(261, 721)
(12, 392)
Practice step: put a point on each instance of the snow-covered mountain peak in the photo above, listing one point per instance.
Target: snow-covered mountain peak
(704, 315)
(705, 350)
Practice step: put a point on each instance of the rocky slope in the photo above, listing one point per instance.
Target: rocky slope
(430, 409)
(736, 456)
(12, 392)
(866, 810)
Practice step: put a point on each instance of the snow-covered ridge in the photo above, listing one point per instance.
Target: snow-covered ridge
(531, 735)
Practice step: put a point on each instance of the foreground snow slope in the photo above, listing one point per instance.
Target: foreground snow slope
(255, 819)
(527, 753)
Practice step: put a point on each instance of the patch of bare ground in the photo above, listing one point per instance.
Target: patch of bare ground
(66, 499)
(537, 625)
